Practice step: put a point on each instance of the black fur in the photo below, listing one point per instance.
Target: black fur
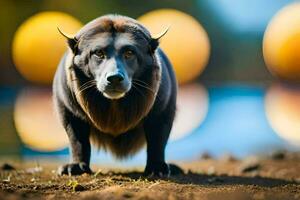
(143, 115)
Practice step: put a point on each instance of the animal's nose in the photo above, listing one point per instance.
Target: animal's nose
(115, 78)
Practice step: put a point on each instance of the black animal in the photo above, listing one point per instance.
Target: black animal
(116, 89)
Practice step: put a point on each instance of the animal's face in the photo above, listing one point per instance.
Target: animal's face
(112, 52)
(112, 61)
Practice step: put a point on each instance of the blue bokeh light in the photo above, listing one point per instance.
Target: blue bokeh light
(245, 15)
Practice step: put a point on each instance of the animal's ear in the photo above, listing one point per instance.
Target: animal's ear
(154, 42)
(72, 41)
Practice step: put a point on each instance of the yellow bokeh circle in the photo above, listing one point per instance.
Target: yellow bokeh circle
(37, 46)
(186, 44)
(281, 44)
(36, 122)
(283, 111)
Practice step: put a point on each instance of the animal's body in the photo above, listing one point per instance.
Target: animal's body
(116, 89)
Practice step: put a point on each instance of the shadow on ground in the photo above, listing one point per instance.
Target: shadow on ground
(215, 180)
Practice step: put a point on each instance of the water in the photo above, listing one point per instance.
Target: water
(241, 120)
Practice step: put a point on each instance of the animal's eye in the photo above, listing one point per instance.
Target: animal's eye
(100, 54)
(128, 54)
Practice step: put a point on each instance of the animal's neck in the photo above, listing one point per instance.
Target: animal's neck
(118, 116)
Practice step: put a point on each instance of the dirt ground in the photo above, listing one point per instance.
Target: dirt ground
(274, 177)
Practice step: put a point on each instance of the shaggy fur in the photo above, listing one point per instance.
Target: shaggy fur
(122, 126)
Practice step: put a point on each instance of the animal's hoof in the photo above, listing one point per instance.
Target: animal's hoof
(162, 170)
(74, 169)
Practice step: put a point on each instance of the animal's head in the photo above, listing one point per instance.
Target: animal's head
(112, 52)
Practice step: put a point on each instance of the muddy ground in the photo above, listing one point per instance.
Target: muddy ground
(273, 177)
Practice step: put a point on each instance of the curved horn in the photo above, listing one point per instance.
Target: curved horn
(160, 35)
(67, 36)
(72, 41)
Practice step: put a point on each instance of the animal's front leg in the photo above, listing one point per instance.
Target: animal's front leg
(78, 133)
(157, 132)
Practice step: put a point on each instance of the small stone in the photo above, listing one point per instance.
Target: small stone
(250, 168)
(128, 195)
(250, 165)
(228, 158)
(7, 167)
(278, 155)
(75, 186)
(215, 180)
(7, 180)
(205, 156)
(297, 180)
(78, 187)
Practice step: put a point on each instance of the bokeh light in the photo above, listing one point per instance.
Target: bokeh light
(248, 16)
(283, 111)
(38, 47)
(192, 107)
(281, 44)
(186, 44)
(36, 123)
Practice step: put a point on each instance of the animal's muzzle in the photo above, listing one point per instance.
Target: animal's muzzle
(115, 78)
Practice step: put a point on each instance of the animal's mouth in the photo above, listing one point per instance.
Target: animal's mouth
(114, 93)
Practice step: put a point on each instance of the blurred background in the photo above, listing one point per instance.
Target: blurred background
(237, 63)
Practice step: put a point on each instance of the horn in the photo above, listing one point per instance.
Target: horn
(67, 36)
(72, 40)
(160, 35)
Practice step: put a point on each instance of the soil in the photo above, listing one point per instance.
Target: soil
(274, 177)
